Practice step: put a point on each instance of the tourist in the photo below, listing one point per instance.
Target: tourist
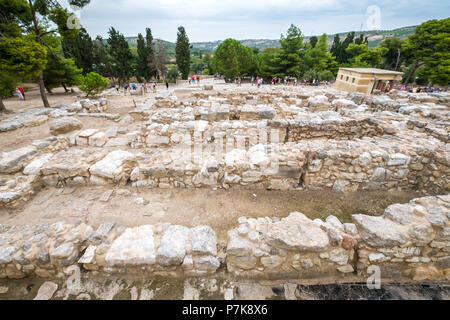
(198, 79)
(253, 79)
(117, 88)
(23, 92)
(154, 87)
(19, 94)
(167, 85)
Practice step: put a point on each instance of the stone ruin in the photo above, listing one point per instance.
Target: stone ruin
(241, 138)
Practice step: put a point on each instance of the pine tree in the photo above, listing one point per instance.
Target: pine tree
(39, 12)
(313, 41)
(344, 55)
(20, 57)
(183, 54)
(102, 59)
(142, 59)
(289, 61)
(161, 59)
(336, 47)
(121, 56)
(81, 49)
(151, 59)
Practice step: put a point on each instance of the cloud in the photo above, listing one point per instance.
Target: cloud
(207, 20)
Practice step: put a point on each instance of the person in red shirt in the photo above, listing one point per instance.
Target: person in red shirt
(23, 93)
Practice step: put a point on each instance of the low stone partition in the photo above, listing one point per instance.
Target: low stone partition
(408, 242)
(342, 128)
(377, 163)
(47, 250)
(37, 117)
(293, 247)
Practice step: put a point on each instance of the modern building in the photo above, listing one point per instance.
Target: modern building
(365, 80)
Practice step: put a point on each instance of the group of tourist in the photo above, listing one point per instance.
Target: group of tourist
(287, 81)
(192, 79)
(421, 90)
(148, 87)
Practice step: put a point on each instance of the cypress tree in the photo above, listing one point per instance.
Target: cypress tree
(183, 54)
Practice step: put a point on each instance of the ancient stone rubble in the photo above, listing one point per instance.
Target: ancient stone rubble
(249, 138)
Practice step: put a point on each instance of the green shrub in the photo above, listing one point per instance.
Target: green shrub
(93, 84)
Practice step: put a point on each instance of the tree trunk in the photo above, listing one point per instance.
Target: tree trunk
(65, 88)
(411, 72)
(42, 89)
(38, 40)
(49, 91)
(398, 59)
(2, 106)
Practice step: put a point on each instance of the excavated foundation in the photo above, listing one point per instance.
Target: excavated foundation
(295, 185)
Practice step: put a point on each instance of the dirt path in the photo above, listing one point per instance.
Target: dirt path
(219, 209)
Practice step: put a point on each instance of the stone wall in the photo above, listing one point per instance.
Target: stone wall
(163, 249)
(409, 241)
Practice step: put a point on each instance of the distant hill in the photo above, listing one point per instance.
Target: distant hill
(375, 38)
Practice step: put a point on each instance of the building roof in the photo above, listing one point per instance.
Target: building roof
(372, 71)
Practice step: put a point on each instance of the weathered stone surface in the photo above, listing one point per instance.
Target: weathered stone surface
(340, 186)
(266, 112)
(237, 246)
(102, 231)
(135, 246)
(297, 232)
(88, 256)
(346, 269)
(399, 159)
(46, 291)
(272, 262)
(339, 256)
(64, 125)
(399, 213)
(421, 233)
(204, 240)
(114, 164)
(34, 168)
(243, 262)
(6, 254)
(8, 197)
(97, 140)
(207, 263)
(13, 161)
(172, 249)
(378, 232)
(335, 223)
(63, 251)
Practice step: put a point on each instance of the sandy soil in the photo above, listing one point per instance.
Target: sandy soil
(219, 209)
(24, 136)
(59, 96)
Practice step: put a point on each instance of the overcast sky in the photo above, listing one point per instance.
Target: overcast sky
(209, 20)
